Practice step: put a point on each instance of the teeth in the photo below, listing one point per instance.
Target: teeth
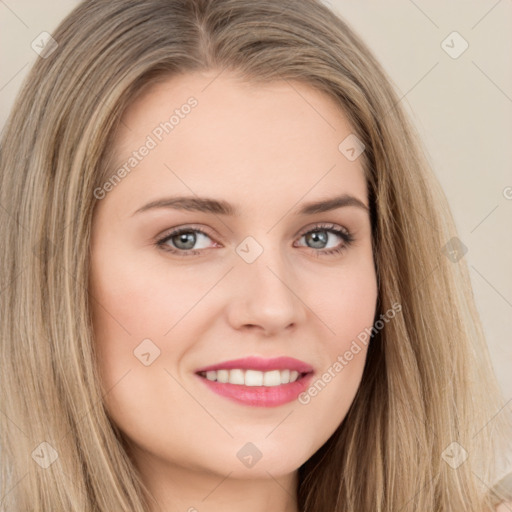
(222, 375)
(236, 377)
(272, 378)
(253, 377)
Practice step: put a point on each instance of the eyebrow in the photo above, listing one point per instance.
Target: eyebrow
(221, 207)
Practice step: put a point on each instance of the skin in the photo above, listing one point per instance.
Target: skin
(267, 150)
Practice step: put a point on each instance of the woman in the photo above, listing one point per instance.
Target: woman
(226, 276)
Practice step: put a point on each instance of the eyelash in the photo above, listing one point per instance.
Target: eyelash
(347, 237)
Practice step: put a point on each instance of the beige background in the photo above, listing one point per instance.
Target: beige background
(462, 108)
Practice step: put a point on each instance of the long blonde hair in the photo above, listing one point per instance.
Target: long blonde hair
(428, 381)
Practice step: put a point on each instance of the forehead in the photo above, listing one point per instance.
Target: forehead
(217, 135)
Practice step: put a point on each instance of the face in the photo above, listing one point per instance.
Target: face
(178, 286)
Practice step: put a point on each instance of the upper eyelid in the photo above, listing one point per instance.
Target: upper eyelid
(313, 227)
(327, 226)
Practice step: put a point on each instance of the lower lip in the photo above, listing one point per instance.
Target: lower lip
(260, 396)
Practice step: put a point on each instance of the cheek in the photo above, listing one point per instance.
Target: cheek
(133, 301)
(346, 305)
(142, 303)
(129, 308)
(344, 299)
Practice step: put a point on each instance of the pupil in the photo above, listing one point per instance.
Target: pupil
(182, 237)
(318, 237)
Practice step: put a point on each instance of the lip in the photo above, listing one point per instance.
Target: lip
(261, 364)
(260, 396)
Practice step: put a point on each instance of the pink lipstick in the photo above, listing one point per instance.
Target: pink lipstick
(257, 381)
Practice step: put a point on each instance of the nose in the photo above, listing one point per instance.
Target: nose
(266, 296)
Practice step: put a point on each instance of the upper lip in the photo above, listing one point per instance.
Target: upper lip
(261, 364)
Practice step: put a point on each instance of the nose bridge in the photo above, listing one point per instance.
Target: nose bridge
(265, 293)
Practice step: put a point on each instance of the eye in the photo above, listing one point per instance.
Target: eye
(182, 241)
(319, 238)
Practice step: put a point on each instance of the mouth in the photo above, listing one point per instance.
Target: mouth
(258, 382)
